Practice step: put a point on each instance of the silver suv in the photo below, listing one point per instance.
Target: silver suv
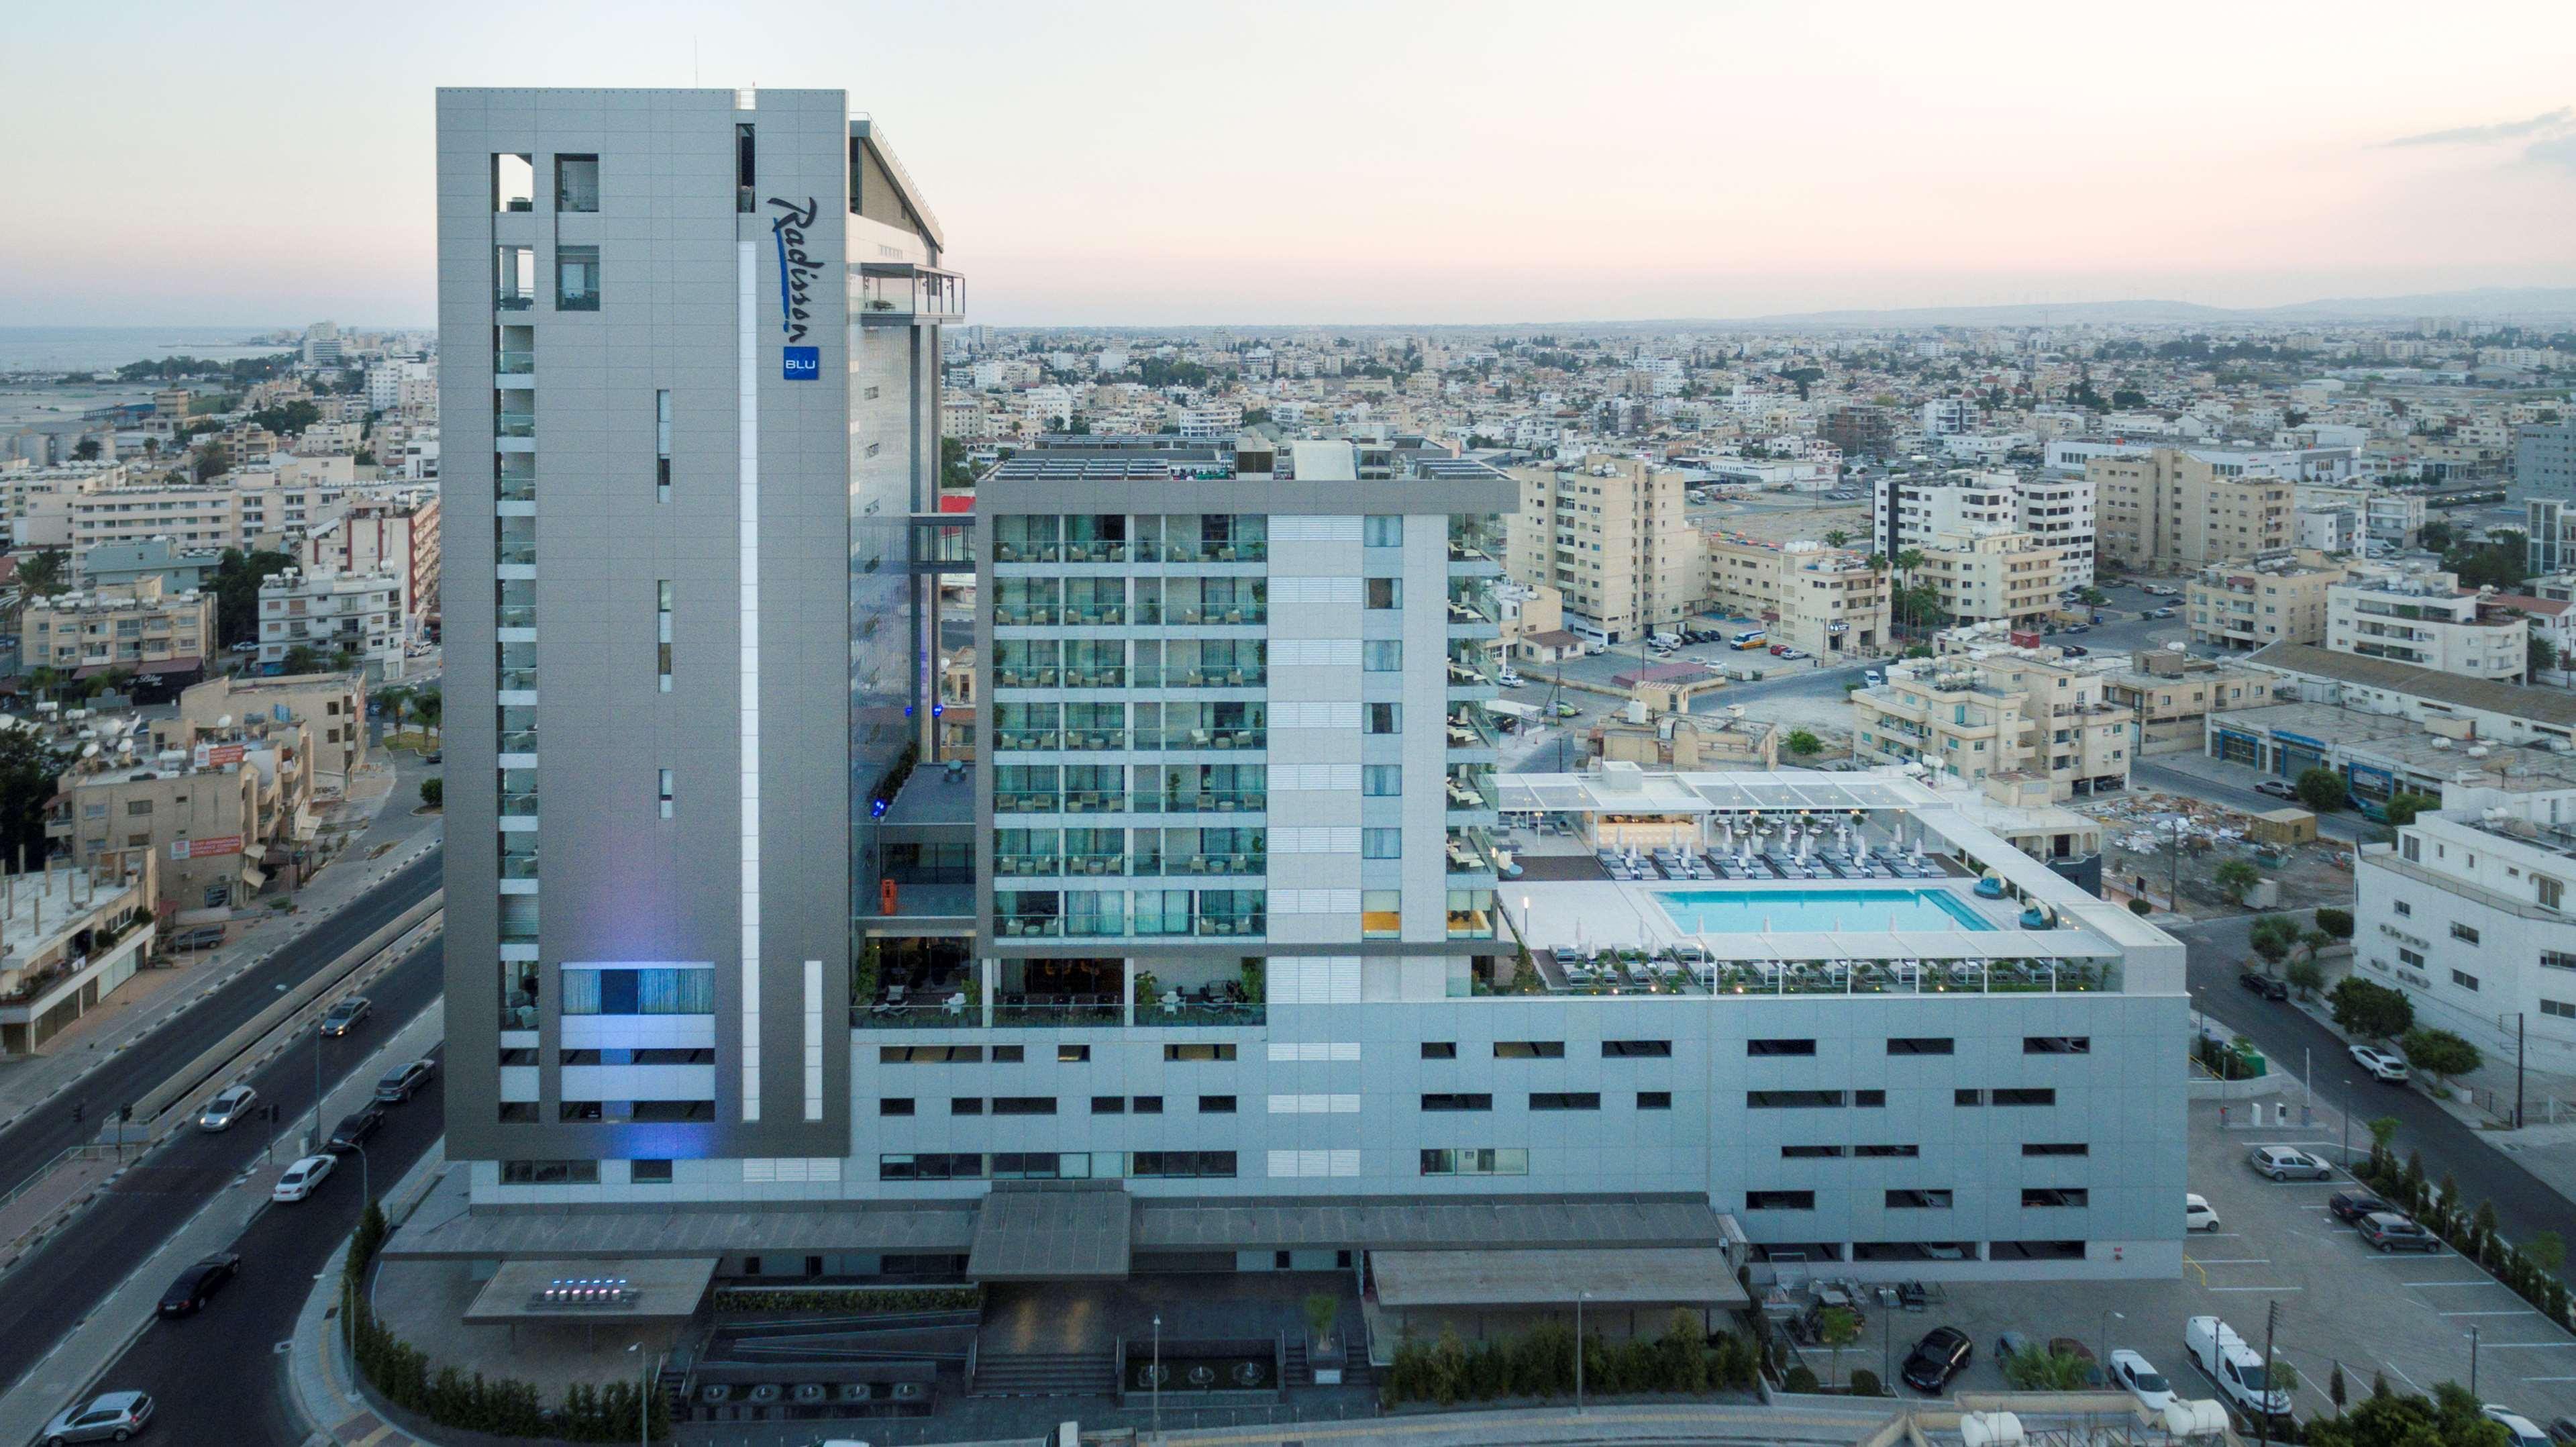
(2281, 1163)
(108, 1417)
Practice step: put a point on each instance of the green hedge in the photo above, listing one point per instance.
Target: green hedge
(400, 1372)
(2472, 1234)
(849, 1298)
(1540, 1365)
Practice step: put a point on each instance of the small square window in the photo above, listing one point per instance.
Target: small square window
(1654, 1100)
(1072, 1054)
(649, 1173)
(895, 1106)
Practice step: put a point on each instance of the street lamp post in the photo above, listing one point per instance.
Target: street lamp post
(2109, 1317)
(2346, 1111)
(366, 1196)
(1580, 1298)
(315, 1143)
(645, 1367)
(2473, 1363)
(1158, 1375)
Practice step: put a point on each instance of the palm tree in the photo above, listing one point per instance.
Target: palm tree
(1907, 561)
(426, 706)
(1837, 538)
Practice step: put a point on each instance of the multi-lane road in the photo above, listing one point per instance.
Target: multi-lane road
(68, 1276)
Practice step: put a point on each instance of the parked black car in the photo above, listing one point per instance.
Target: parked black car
(2264, 985)
(1937, 1358)
(354, 1128)
(2350, 1206)
(198, 1284)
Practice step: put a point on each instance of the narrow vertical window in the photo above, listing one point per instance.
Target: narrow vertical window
(662, 630)
(742, 167)
(666, 793)
(662, 445)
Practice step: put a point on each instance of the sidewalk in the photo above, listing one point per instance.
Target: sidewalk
(97, 1340)
(318, 1379)
(394, 836)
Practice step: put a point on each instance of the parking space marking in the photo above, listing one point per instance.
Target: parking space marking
(2524, 1312)
(2503, 1345)
(2254, 1288)
(2233, 1260)
(2464, 1281)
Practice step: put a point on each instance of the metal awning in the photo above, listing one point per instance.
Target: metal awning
(1425, 1223)
(1052, 1231)
(1682, 1275)
(445, 1227)
(585, 1291)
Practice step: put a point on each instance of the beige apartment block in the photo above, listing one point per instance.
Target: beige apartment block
(1825, 600)
(1973, 716)
(2169, 697)
(220, 809)
(134, 626)
(1612, 537)
(188, 514)
(1985, 575)
(2170, 510)
(332, 707)
(2280, 598)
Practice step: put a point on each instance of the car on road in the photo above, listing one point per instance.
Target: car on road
(1567, 710)
(2520, 1430)
(302, 1177)
(401, 1081)
(2276, 789)
(2285, 1163)
(2159, 613)
(2391, 1232)
(345, 1016)
(227, 1109)
(1939, 1356)
(354, 1128)
(2196, 1215)
(1508, 678)
(2140, 1377)
(1793, 654)
(198, 1284)
(1779, 650)
(2079, 627)
(434, 756)
(2562, 1429)
(203, 937)
(2074, 650)
(107, 1417)
(2381, 1064)
(2264, 985)
(2350, 1206)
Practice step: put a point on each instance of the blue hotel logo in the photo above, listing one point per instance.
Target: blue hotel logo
(801, 364)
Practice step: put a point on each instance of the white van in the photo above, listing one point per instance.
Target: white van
(2235, 1367)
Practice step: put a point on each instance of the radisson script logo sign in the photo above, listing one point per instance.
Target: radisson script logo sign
(796, 273)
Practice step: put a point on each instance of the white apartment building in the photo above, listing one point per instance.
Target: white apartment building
(1911, 511)
(1946, 416)
(2468, 913)
(400, 383)
(2379, 515)
(329, 612)
(2422, 618)
(398, 534)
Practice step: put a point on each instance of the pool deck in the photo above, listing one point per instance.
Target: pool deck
(1575, 917)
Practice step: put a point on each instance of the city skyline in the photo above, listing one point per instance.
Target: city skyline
(1720, 164)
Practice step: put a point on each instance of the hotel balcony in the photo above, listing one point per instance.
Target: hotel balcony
(893, 293)
(1471, 737)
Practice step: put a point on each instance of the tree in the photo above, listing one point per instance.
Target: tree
(2126, 398)
(206, 461)
(2541, 656)
(2037, 1369)
(2450, 1418)
(2307, 977)
(1837, 1327)
(2435, 536)
(954, 468)
(2335, 1390)
(2270, 945)
(2402, 810)
(301, 659)
(2234, 878)
(237, 579)
(2374, 1012)
(2093, 597)
(1804, 744)
(2546, 1250)
(433, 793)
(287, 418)
(42, 574)
(29, 766)
(1836, 538)
(85, 450)
(2322, 789)
(2337, 923)
(2439, 1052)
(2383, 1129)
(427, 705)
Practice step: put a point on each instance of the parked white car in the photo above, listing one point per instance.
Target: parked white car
(2380, 1064)
(302, 1177)
(2521, 1429)
(2196, 1215)
(2140, 1376)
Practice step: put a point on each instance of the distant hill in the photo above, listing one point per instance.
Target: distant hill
(2517, 302)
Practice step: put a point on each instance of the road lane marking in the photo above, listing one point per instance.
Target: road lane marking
(2464, 1281)
(2233, 1260)
(2255, 1288)
(2526, 1311)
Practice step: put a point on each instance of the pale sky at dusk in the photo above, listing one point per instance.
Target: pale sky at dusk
(1366, 162)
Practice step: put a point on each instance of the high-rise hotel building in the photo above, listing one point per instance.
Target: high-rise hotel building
(1201, 949)
(688, 364)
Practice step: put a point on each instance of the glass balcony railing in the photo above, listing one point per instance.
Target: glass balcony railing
(1114, 676)
(1091, 550)
(1054, 1012)
(518, 934)
(1023, 926)
(1167, 1013)
(514, 301)
(515, 424)
(1027, 801)
(1181, 676)
(517, 680)
(1202, 738)
(1214, 864)
(1095, 801)
(515, 555)
(514, 615)
(1025, 866)
(1038, 617)
(1095, 739)
(1098, 864)
(1246, 923)
(518, 866)
(1469, 730)
(515, 487)
(1471, 674)
(1024, 678)
(1227, 616)
(515, 364)
(585, 299)
(1206, 801)
(1470, 793)
(1015, 741)
(517, 741)
(518, 806)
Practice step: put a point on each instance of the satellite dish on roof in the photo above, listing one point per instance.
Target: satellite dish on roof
(225, 722)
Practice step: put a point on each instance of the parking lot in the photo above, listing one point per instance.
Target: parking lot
(2404, 1314)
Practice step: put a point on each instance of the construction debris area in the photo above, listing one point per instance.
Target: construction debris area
(2157, 845)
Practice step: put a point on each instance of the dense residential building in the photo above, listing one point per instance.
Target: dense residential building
(162, 638)
(2278, 598)
(2422, 617)
(2382, 515)
(2175, 509)
(1912, 510)
(1823, 599)
(2468, 913)
(1993, 574)
(219, 807)
(1990, 711)
(400, 534)
(1861, 429)
(120, 565)
(332, 707)
(340, 619)
(2549, 536)
(2544, 460)
(2169, 696)
(690, 338)
(1612, 535)
(68, 938)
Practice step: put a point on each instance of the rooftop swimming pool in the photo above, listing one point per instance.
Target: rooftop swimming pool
(1816, 911)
